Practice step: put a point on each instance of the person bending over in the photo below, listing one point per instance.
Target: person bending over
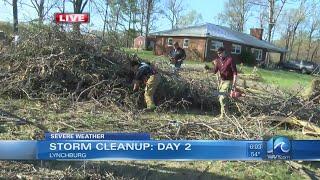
(145, 74)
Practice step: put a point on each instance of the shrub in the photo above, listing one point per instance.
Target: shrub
(248, 58)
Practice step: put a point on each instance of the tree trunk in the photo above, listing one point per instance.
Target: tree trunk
(241, 28)
(117, 19)
(298, 50)
(149, 9)
(105, 21)
(63, 10)
(309, 42)
(129, 29)
(315, 51)
(41, 11)
(15, 16)
(142, 9)
(293, 38)
(271, 20)
(78, 7)
(288, 37)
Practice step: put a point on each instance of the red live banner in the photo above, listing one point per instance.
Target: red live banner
(72, 18)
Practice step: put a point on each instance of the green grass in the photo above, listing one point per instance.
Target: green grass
(285, 80)
(147, 55)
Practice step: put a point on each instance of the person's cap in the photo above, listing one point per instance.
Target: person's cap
(176, 43)
(221, 49)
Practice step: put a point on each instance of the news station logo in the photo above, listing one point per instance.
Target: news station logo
(279, 148)
(71, 18)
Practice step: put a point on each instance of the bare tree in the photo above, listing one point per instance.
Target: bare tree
(142, 17)
(292, 19)
(39, 7)
(43, 8)
(299, 16)
(299, 43)
(191, 18)
(15, 16)
(78, 7)
(145, 16)
(173, 10)
(313, 24)
(102, 8)
(236, 13)
(315, 51)
(130, 14)
(150, 4)
(288, 28)
(274, 15)
(105, 20)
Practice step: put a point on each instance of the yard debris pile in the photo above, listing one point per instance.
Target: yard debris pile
(64, 66)
(74, 69)
(50, 65)
(313, 91)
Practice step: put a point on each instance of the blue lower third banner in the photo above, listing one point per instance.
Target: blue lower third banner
(18, 150)
(152, 149)
(277, 148)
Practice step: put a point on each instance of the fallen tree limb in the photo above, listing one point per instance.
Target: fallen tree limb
(311, 127)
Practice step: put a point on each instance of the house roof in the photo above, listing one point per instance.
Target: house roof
(220, 33)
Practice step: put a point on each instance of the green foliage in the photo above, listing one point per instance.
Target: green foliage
(248, 58)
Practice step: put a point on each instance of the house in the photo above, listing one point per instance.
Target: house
(140, 40)
(201, 42)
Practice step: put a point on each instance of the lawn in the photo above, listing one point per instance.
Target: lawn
(285, 80)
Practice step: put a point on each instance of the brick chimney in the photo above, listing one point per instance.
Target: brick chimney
(256, 32)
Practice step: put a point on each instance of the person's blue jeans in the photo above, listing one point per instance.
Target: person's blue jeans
(178, 64)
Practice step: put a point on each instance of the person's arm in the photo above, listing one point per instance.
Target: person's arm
(234, 83)
(215, 68)
(235, 73)
(172, 56)
(136, 85)
(137, 79)
(184, 55)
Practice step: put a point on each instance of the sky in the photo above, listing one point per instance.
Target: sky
(209, 9)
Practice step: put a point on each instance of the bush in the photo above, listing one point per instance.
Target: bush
(248, 58)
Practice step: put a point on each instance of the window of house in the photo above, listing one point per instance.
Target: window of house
(170, 42)
(257, 53)
(185, 43)
(236, 49)
(215, 45)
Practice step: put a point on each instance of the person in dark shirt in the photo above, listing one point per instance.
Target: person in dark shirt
(177, 56)
(227, 77)
(144, 73)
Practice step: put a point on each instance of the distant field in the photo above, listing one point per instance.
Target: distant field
(284, 79)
